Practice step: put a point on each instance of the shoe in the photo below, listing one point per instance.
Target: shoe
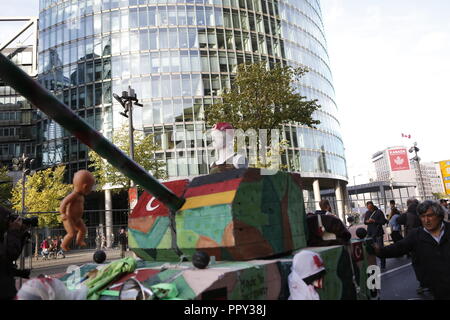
(420, 290)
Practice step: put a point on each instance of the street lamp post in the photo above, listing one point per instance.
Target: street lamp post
(416, 158)
(23, 163)
(126, 101)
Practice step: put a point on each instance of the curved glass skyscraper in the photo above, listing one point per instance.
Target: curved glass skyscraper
(179, 55)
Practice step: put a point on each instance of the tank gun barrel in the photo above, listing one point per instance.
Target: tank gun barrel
(64, 116)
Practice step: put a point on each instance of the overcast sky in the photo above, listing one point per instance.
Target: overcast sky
(390, 63)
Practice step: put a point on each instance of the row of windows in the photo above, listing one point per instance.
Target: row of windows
(319, 162)
(10, 132)
(10, 115)
(69, 11)
(327, 104)
(302, 6)
(299, 37)
(143, 64)
(157, 17)
(19, 102)
(328, 123)
(290, 13)
(68, 32)
(134, 65)
(161, 39)
(15, 149)
(170, 111)
(313, 139)
(48, 130)
(298, 54)
(22, 58)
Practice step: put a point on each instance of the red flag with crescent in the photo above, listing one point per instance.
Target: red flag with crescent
(148, 205)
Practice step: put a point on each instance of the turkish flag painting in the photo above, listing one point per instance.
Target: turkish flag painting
(148, 205)
(398, 159)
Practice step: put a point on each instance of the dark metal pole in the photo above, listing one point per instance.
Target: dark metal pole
(420, 175)
(131, 133)
(58, 111)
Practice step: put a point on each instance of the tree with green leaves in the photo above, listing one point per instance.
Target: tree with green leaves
(44, 191)
(264, 99)
(5, 187)
(144, 149)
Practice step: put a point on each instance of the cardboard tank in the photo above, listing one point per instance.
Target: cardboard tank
(249, 224)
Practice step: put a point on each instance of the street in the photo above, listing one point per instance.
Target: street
(398, 281)
(54, 266)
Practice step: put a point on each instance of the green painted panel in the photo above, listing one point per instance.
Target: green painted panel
(271, 207)
(247, 204)
(153, 237)
(205, 221)
(279, 182)
(297, 216)
(251, 284)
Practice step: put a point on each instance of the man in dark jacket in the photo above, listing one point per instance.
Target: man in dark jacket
(123, 240)
(410, 219)
(375, 219)
(11, 235)
(431, 246)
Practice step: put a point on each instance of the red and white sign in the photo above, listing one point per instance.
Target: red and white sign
(398, 159)
(357, 251)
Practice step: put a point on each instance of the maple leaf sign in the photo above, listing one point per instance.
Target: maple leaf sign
(399, 161)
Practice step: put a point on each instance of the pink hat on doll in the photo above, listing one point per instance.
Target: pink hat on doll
(222, 126)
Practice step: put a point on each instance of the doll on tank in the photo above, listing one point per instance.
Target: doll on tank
(307, 276)
(72, 208)
(222, 142)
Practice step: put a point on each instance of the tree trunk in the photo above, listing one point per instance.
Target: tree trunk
(36, 245)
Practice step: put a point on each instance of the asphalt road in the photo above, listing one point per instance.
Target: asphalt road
(54, 266)
(398, 281)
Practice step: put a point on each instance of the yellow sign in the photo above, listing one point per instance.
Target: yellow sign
(445, 171)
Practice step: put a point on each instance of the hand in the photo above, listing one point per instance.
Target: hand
(16, 224)
(376, 247)
(371, 220)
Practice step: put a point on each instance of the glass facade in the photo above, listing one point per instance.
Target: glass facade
(17, 117)
(179, 55)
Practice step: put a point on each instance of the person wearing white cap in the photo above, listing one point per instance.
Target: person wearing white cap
(307, 274)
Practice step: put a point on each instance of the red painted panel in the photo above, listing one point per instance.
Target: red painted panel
(213, 188)
(148, 205)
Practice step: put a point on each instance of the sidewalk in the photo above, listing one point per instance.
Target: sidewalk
(75, 257)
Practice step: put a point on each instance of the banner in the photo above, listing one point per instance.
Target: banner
(445, 171)
(398, 159)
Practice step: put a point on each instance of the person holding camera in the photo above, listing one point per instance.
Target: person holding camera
(12, 237)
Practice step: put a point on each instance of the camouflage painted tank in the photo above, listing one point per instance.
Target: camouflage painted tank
(252, 225)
